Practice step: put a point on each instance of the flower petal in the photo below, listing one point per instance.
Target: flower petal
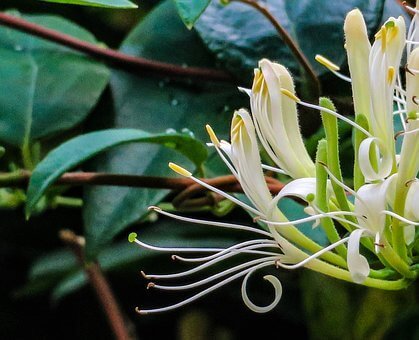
(357, 264)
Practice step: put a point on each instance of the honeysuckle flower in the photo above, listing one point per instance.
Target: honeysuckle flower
(276, 120)
(271, 248)
(385, 211)
(383, 64)
(370, 203)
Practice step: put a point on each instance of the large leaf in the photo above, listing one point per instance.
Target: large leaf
(190, 11)
(154, 104)
(45, 88)
(239, 36)
(98, 3)
(84, 147)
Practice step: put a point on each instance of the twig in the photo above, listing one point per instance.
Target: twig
(287, 39)
(118, 59)
(99, 284)
(21, 179)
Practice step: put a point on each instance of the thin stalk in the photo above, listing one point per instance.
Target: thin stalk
(117, 59)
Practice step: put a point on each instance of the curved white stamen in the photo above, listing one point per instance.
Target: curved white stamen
(312, 218)
(342, 76)
(341, 219)
(399, 100)
(272, 244)
(225, 160)
(278, 293)
(408, 132)
(314, 256)
(251, 244)
(215, 276)
(175, 250)
(224, 194)
(271, 168)
(203, 293)
(213, 223)
(400, 218)
(242, 250)
(340, 183)
(412, 9)
(341, 117)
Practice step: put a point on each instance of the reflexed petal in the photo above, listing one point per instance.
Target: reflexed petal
(357, 264)
(385, 162)
(371, 201)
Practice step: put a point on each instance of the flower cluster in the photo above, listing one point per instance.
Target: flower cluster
(380, 212)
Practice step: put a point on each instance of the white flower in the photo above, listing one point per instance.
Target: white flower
(276, 120)
(385, 212)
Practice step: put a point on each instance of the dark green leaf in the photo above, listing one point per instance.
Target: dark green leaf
(239, 36)
(191, 10)
(36, 99)
(81, 148)
(154, 104)
(98, 3)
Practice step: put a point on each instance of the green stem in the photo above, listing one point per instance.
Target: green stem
(68, 202)
(395, 261)
(27, 156)
(359, 136)
(342, 274)
(399, 243)
(331, 129)
(321, 198)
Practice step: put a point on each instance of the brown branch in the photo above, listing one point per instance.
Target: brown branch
(99, 284)
(117, 59)
(288, 40)
(229, 183)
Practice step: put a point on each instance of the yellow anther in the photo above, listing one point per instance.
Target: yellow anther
(290, 95)
(390, 74)
(326, 62)
(212, 135)
(178, 169)
(257, 81)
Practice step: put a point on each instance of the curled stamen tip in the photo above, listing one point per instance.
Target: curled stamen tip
(256, 218)
(174, 257)
(409, 182)
(407, 69)
(398, 134)
(144, 275)
(277, 264)
(153, 208)
(290, 95)
(151, 285)
(326, 62)
(139, 311)
(212, 135)
(132, 237)
(178, 169)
